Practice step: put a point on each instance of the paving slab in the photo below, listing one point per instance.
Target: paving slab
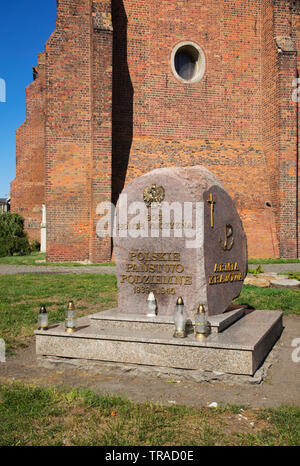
(279, 268)
(44, 269)
(290, 284)
(15, 269)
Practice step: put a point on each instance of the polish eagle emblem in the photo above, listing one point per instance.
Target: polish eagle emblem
(152, 194)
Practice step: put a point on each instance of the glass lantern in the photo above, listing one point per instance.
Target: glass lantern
(202, 326)
(70, 323)
(180, 318)
(152, 305)
(43, 319)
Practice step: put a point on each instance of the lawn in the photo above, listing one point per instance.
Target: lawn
(22, 295)
(288, 301)
(39, 259)
(34, 258)
(273, 261)
(48, 416)
(23, 260)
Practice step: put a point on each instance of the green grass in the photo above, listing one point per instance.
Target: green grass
(288, 301)
(38, 256)
(22, 295)
(257, 270)
(45, 416)
(22, 260)
(295, 275)
(273, 261)
(32, 258)
(33, 416)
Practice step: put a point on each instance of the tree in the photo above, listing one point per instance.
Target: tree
(13, 238)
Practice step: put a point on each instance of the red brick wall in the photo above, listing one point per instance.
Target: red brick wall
(270, 103)
(296, 38)
(78, 129)
(287, 131)
(217, 122)
(27, 190)
(68, 133)
(115, 110)
(101, 170)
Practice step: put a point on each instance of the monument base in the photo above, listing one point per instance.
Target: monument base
(239, 348)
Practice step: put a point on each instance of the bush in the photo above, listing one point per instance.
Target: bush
(13, 238)
(35, 246)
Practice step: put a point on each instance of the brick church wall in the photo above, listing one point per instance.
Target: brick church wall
(114, 110)
(78, 129)
(28, 188)
(287, 130)
(68, 133)
(270, 109)
(296, 38)
(216, 122)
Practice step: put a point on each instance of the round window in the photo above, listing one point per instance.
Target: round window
(188, 62)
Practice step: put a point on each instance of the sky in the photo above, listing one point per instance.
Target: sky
(25, 26)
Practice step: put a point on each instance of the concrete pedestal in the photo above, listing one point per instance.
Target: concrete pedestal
(238, 344)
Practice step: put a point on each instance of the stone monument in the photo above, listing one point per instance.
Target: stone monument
(188, 241)
(176, 234)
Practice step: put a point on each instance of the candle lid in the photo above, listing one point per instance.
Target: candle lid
(180, 301)
(151, 297)
(201, 309)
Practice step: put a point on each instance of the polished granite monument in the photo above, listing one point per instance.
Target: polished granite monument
(176, 233)
(189, 242)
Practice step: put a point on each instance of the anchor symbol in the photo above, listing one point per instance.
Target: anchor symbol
(228, 233)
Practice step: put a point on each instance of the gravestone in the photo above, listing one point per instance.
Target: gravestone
(178, 233)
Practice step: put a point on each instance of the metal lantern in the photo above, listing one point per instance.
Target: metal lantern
(202, 326)
(70, 322)
(180, 318)
(152, 305)
(43, 319)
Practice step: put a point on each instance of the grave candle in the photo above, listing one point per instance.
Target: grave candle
(43, 319)
(180, 317)
(70, 323)
(152, 305)
(202, 326)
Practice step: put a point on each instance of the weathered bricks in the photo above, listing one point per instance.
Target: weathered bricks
(106, 107)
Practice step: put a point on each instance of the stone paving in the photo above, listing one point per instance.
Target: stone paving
(279, 268)
(13, 269)
(16, 269)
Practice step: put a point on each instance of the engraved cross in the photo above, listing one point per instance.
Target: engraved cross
(212, 208)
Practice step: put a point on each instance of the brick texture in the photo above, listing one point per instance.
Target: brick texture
(106, 107)
(28, 188)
